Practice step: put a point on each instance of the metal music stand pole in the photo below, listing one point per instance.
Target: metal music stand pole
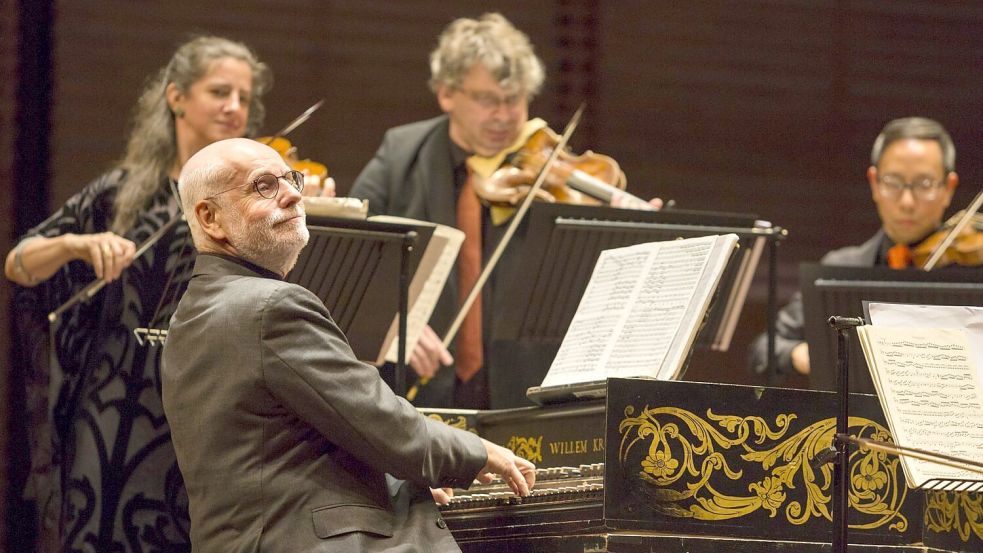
(409, 240)
(771, 371)
(841, 466)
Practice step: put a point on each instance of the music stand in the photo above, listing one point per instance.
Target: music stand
(831, 290)
(361, 271)
(562, 245)
(840, 502)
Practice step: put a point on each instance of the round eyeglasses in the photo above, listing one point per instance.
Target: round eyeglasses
(268, 185)
(924, 189)
(491, 101)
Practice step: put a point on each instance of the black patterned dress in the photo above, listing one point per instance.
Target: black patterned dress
(103, 470)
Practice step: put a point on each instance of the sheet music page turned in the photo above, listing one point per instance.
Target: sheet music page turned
(929, 386)
(641, 310)
(425, 287)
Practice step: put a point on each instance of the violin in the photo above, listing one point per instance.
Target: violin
(965, 247)
(588, 178)
(529, 193)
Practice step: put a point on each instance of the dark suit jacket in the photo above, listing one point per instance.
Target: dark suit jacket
(412, 175)
(790, 323)
(284, 439)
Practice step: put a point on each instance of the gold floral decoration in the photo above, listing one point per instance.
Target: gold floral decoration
(959, 511)
(456, 421)
(688, 457)
(528, 448)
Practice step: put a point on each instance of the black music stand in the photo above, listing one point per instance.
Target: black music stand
(361, 270)
(562, 245)
(829, 290)
(839, 453)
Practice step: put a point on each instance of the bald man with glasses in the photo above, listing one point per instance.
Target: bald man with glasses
(285, 441)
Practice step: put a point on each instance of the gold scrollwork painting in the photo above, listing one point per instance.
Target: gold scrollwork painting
(961, 512)
(722, 467)
(457, 421)
(530, 448)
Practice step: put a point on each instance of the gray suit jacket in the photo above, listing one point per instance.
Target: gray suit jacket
(284, 439)
(790, 322)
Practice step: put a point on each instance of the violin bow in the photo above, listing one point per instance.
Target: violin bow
(968, 465)
(93, 287)
(954, 232)
(298, 121)
(513, 225)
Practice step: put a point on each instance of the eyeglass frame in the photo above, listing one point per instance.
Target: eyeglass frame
(298, 176)
(917, 190)
(485, 99)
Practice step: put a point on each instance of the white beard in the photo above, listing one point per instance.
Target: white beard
(272, 247)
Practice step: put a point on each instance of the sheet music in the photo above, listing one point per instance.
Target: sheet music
(425, 288)
(641, 309)
(929, 385)
(905, 315)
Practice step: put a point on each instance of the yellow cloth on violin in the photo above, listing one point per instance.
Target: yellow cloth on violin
(485, 166)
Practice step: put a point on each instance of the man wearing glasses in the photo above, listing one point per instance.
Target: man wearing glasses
(484, 73)
(912, 178)
(285, 441)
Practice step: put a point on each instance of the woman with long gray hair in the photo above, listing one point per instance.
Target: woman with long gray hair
(103, 471)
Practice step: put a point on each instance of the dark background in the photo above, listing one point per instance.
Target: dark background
(752, 106)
